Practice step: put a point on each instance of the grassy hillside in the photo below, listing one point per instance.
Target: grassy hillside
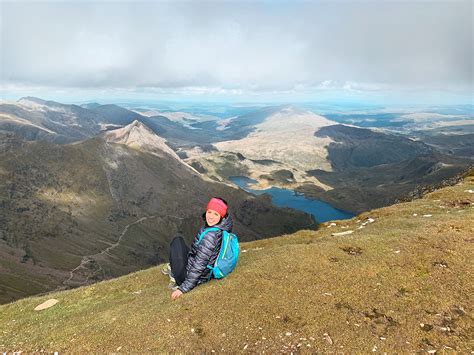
(401, 283)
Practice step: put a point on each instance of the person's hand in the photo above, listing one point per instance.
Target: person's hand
(176, 294)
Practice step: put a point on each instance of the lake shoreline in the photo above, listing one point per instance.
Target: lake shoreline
(321, 210)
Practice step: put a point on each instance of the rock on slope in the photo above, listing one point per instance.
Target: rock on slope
(400, 282)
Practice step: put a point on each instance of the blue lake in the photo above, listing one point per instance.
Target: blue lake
(321, 211)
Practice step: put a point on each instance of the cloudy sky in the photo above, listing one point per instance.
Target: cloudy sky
(238, 50)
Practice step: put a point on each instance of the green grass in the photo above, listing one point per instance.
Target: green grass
(401, 284)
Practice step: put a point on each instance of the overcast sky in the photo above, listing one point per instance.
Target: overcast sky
(239, 48)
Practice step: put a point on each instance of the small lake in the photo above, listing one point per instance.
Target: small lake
(321, 211)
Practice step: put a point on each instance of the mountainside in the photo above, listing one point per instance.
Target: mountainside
(35, 119)
(115, 115)
(354, 147)
(285, 136)
(374, 169)
(352, 168)
(395, 280)
(266, 144)
(77, 213)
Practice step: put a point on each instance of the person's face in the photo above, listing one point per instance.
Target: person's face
(212, 217)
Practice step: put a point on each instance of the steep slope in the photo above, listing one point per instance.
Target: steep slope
(139, 136)
(401, 282)
(115, 115)
(354, 147)
(265, 144)
(32, 118)
(74, 214)
(286, 136)
(374, 169)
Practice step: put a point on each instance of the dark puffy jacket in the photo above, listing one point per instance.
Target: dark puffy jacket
(204, 254)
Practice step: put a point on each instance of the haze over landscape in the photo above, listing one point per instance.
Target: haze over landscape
(339, 131)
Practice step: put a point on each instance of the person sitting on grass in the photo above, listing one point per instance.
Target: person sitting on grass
(189, 268)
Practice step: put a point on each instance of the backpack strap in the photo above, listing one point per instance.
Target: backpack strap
(203, 233)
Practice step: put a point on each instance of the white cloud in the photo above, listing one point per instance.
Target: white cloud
(234, 47)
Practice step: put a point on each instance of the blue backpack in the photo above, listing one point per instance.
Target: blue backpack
(228, 255)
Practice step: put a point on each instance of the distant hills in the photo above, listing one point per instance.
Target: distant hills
(89, 192)
(322, 158)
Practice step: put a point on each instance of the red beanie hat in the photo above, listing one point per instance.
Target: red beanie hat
(217, 205)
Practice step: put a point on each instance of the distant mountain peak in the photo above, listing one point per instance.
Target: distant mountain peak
(139, 136)
(32, 101)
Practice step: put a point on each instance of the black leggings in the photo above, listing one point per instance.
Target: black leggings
(178, 259)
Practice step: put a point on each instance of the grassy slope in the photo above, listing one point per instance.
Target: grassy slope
(369, 290)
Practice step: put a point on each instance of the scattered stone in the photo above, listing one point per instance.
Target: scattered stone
(427, 215)
(341, 233)
(49, 303)
(441, 263)
(327, 338)
(383, 338)
(397, 251)
(192, 330)
(370, 220)
(327, 294)
(244, 251)
(374, 349)
(137, 292)
(332, 225)
(469, 191)
(169, 320)
(415, 214)
(118, 349)
(352, 250)
(287, 334)
(426, 327)
(431, 351)
(246, 345)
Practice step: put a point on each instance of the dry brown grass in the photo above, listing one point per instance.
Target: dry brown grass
(402, 283)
